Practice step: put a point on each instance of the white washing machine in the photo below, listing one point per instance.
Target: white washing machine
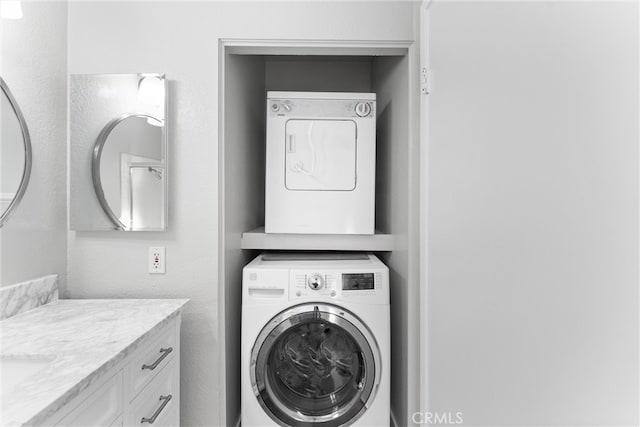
(321, 161)
(315, 340)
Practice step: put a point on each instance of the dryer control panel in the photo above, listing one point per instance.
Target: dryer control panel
(319, 104)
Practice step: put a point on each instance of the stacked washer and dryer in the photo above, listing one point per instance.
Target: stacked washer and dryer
(315, 326)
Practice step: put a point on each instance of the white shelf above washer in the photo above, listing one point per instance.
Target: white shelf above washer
(258, 239)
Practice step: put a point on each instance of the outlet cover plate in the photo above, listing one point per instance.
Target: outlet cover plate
(157, 260)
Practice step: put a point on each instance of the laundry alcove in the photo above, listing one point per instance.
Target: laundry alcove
(248, 69)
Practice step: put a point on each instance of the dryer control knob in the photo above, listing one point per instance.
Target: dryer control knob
(315, 282)
(363, 109)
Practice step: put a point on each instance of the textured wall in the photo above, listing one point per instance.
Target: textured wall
(533, 212)
(33, 62)
(181, 40)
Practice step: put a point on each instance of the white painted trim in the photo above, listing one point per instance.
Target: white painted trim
(414, 290)
(639, 236)
(423, 28)
(316, 47)
(222, 379)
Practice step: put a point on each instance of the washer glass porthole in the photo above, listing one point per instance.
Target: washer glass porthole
(315, 367)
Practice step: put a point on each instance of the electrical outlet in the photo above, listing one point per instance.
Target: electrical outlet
(156, 260)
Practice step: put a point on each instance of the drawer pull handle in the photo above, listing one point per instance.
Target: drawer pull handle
(165, 352)
(165, 400)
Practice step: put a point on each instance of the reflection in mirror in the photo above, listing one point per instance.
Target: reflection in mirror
(128, 172)
(118, 152)
(15, 154)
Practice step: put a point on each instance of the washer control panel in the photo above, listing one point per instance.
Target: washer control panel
(297, 277)
(330, 284)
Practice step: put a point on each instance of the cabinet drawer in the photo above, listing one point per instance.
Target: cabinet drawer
(152, 358)
(101, 408)
(159, 402)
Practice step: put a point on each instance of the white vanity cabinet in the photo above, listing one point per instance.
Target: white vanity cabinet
(158, 404)
(141, 390)
(153, 391)
(100, 407)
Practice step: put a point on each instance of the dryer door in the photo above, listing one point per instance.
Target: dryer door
(315, 364)
(320, 155)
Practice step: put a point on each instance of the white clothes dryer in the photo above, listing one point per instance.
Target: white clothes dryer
(315, 340)
(320, 163)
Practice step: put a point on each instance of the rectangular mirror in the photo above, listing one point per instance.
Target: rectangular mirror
(118, 152)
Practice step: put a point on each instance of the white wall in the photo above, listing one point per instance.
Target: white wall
(181, 40)
(533, 212)
(33, 61)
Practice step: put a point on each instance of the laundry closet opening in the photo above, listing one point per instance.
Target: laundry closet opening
(248, 70)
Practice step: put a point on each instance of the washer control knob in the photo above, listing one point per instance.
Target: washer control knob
(315, 282)
(275, 107)
(363, 109)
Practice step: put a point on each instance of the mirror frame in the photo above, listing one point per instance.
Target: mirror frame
(28, 159)
(95, 165)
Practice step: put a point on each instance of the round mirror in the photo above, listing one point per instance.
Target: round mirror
(129, 172)
(15, 154)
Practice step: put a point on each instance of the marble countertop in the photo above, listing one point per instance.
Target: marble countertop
(83, 339)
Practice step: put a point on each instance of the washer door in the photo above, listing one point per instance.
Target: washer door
(315, 364)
